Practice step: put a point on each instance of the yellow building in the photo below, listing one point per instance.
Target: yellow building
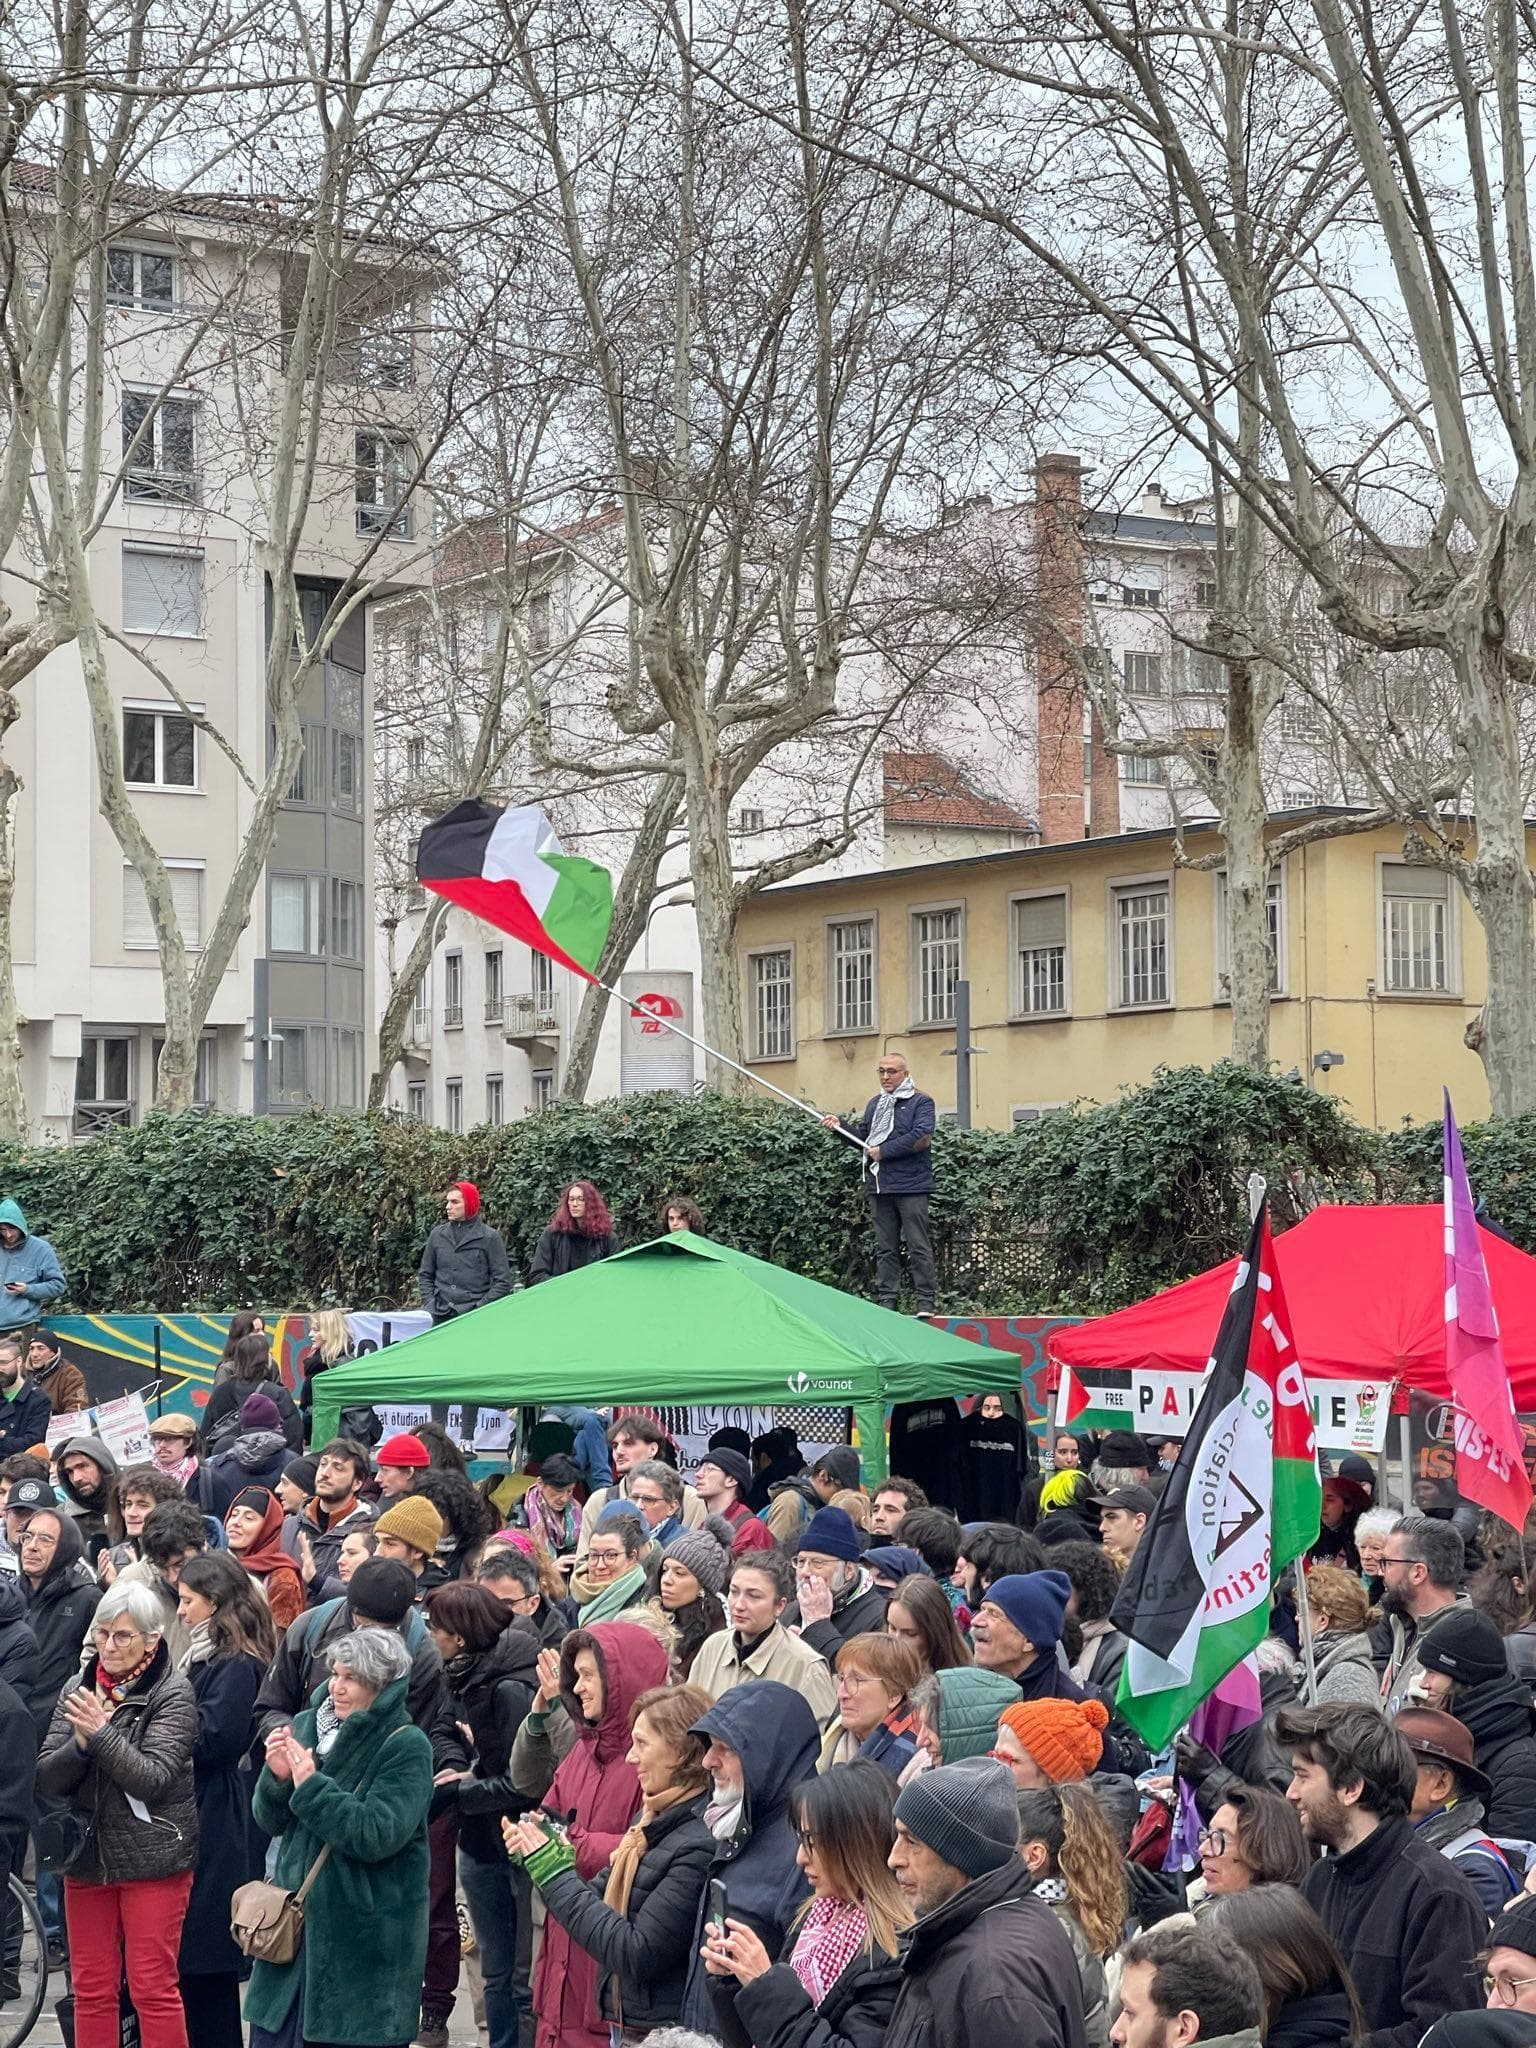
(1093, 962)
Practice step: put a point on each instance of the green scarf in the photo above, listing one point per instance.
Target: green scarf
(614, 1598)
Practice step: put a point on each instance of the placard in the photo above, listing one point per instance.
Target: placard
(1350, 1415)
(123, 1426)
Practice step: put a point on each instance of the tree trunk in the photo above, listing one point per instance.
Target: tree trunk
(13, 1107)
(1497, 880)
(401, 997)
(1248, 954)
(715, 910)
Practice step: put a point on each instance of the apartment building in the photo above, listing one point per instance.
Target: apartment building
(1093, 962)
(180, 571)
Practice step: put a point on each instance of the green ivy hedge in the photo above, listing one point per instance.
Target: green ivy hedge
(1082, 1210)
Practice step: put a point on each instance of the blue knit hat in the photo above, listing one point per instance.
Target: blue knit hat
(896, 1561)
(1035, 1602)
(830, 1533)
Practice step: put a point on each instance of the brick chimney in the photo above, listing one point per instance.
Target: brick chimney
(1059, 597)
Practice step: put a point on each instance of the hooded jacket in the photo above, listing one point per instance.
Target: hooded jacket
(64, 1384)
(231, 1395)
(18, 1645)
(596, 1791)
(24, 1421)
(1503, 1724)
(1345, 1668)
(774, 1733)
(970, 1700)
(59, 1610)
(255, 1459)
(492, 1696)
(991, 1964)
(1320, 2021)
(463, 1267)
(36, 1266)
(89, 1514)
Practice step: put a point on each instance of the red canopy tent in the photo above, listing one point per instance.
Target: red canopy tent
(1365, 1288)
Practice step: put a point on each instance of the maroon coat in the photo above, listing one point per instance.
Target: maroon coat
(597, 1790)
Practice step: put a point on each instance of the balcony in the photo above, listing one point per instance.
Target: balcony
(92, 1119)
(453, 1016)
(160, 487)
(528, 1018)
(495, 1009)
(393, 521)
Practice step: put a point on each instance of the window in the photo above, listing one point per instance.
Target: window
(1300, 715)
(1141, 944)
(852, 974)
(543, 982)
(416, 1101)
(1274, 910)
(772, 1003)
(495, 1099)
(1144, 769)
(202, 1079)
(453, 989)
(1142, 589)
(104, 1083)
(308, 784)
(453, 1105)
(1205, 594)
(415, 759)
(936, 939)
(1143, 674)
(296, 919)
(493, 989)
(383, 470)
(1205, 675)
(1415, 929)
(162, 592)
(346, 773)
(491, 627)
(347, 1069)
(160, 448)
(543, 1084)
(186, 879)
(346, 920)
(1040, 941)
(293, 1076)
(748, 821)
(539, 619)
(159, 749)
(1299, 798)
(421, 1009)
(145, 278)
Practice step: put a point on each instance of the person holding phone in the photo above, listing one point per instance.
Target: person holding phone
(638, 1923)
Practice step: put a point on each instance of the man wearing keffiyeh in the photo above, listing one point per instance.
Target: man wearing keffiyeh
(897, 1130)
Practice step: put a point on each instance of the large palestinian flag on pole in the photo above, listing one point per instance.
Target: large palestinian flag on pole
(508, 868)
(1242, 1502)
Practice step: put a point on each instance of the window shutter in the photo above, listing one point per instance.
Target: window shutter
(162, 593)
(1042, 921)
(1429, 884)
(186, 894)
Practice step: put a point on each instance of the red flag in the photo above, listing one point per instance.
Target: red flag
(1490, 1450)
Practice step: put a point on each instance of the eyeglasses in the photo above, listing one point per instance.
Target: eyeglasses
(37, 1536)
(1386, 1561)
(806, 1840)
(604, 1556)
(1213, 1841)
(1505, 1989)
(887, 1070)
(117, 1638)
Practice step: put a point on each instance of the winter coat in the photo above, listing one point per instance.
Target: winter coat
(463, 1267)
(1103, 1658)
(774, 1733)
(1045, 1679)
(596, 1788)
(365, 1920)
(905, 1165)
(1408, 1925)
(991, 1964)
(775, 2010)
(231, 1853)
(1321, 2021)
(643, 1954)
(492, 1697)
(18, 1768)
(88, 1511)
(720, 1665)
(1520, 1649)
(60, 1611)
(970, 1700)
(23, 1421)
(18, 1645)
(1345, 1670)
(144, 1753)
(64, 1384)
(1406, 1641)
(36, 1265)
(300, 1666)
(1503, 1724)
(325, 1543)
(255, 1459)
(227, 1399)
(566, 1251)
(1091, 1974)
(863, 1615)
(178, 1637)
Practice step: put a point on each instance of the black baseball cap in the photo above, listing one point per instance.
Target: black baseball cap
(1140, 1500)
(29, 1495)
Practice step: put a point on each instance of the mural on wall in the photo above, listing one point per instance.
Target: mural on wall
(1027, 1335)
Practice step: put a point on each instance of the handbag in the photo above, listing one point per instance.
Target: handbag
(267, 1922)
(65, 1835)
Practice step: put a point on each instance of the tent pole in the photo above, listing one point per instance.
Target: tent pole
(1405, 1453)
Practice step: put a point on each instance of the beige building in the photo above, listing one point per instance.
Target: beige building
(1092, 963)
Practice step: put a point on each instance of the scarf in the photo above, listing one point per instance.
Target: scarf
(1052, 1890)
(1448, 1822)
(883, 1121)
(723, 1816)
(1094, 1633)
(557, 1529)
(832, 1933)
(613, 1598)
(199, 1646)
(625, 1861)
(327, 1727)
(181, 1471)
(113, 1691)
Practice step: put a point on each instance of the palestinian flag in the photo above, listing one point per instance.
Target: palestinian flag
(507, 867)
(1242, 1502)
(1096, 1397)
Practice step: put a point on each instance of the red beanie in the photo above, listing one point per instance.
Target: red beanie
(471, 1196)
(403, 1450)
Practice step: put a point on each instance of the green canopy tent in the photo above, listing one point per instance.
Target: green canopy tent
(680, 1321)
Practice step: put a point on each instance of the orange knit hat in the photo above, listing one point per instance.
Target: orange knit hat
(1063, 1736)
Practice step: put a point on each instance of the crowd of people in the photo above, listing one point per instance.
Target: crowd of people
(765, 1755)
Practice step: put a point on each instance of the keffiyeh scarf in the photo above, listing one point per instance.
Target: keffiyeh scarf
(832, 1933)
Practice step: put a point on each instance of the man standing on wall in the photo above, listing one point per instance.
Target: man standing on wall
(897, 1130)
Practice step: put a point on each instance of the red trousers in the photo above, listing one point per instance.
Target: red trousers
(140, 1924)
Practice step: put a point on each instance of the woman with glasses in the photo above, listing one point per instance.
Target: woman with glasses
(1309, 2000)
(612, 1576)
(875, 1678)
(119, 1750)
(835, 1984)
(1254, 1839)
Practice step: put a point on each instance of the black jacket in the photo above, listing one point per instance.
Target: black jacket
(567, 1251)
(991, 1964)
(60, 1611)
(775, 2010)
(299, 1667)
(18, 1645)
(229, 1397)
(491, 1696)
(1503, 1724)
(772, 1729)
(18, 1768)
(463, 1267)
(864, 1615)
(231, 1851)
(1319, 2022)
(645, 1953)
(24, 1421)
(255, 1459)
(1408, 1924)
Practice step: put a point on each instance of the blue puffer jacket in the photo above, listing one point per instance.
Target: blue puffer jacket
(905, 1165)
(34, 1264)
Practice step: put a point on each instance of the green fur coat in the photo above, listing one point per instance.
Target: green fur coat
(365, 1921)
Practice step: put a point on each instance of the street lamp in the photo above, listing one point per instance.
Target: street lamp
(673, 902)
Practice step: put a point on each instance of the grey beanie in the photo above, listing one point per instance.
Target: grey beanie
(702, 1552)
(966, 1812)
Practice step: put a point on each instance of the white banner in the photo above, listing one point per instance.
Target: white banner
(122, 1425)
(1350, 1415)
(372, 1329)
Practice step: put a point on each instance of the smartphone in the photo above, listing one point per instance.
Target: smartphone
(717, 1908)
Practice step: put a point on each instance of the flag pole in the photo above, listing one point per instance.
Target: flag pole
(725, 1059)
(1304, 1623)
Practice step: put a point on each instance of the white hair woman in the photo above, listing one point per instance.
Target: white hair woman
(119, 1751)
(353, 1775)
